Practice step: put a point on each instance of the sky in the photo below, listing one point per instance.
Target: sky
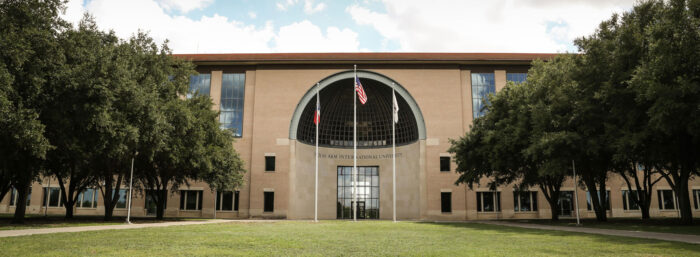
(282, 26)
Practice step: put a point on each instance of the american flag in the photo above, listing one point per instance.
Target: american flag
(317, 115)
(360, 91)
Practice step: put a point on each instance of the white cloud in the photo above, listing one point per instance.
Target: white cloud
(212, 34)
(306, 37)
(486, 26)
(310, 8)
(74, 11)
(252, 15)
(282, 6)
(184, 6)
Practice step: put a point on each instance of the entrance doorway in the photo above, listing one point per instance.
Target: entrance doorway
(367, 192)
(566, 203)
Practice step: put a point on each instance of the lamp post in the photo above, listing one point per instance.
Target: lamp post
(131, 182)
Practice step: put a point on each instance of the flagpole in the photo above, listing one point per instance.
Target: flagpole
(573, 166)
(318, 102)
(393, 143)
(354, 146)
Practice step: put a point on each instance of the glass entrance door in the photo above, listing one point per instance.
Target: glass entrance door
(367, 192)
(566, 203)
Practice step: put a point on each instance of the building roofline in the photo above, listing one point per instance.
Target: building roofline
(305, 58)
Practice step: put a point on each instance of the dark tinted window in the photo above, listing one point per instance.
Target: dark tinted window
(446, 199)
(269, 163)
(269, 201)
(444, 163)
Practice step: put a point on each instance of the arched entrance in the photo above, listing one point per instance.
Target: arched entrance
(374, 156)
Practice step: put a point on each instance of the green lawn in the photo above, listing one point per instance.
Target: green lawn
(665, 225)
(39, 221)
(338, 238)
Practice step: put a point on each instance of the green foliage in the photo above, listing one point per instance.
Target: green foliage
(78, 103)
(30, 58)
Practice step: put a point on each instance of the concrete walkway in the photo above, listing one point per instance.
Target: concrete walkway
(692, 239)
(37, 231)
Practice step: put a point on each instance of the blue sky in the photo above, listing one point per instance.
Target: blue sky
(215, 26)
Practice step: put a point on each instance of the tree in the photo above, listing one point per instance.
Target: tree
(668, 81)
(180, 139)
(505, 146)
(30, 56)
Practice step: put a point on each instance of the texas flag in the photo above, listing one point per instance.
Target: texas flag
(360, 91)
(317, 115)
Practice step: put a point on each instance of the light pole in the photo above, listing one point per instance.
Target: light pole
(131, 182)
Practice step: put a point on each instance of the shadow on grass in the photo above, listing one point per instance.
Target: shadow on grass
(51, 221)
(604, 239)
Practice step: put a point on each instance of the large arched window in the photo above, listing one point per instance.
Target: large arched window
(373, 118)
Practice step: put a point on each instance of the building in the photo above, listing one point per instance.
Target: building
(268, 100)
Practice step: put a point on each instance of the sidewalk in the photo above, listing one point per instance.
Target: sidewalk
(26, 232)
(692, 239)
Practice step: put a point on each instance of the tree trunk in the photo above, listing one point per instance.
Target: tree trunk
(21, 204)
(554, 207)
(160, 202)
(107, 198)
(684, 201)
(600, 213)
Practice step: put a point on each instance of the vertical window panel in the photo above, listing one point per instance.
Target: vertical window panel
(483, 84)
(200, 84)
(232, 100)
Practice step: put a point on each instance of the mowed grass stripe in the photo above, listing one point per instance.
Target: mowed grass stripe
(338, 238)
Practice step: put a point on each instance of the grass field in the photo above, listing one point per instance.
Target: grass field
(668, 225)
(39, 221)
(337, 238)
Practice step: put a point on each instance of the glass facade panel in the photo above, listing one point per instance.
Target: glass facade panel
(516, 77)
(87, 199)
(488, 201)
(199, 83)
(524, 201)
(121, 201)
(269, 203)
(232, 99)
(483, 84)
(696, 198)
(628, 202)
(54, 197)
(666, 200)
(367, 193)
(589, 204)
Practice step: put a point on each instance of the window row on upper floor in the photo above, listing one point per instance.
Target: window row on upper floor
(232, 98)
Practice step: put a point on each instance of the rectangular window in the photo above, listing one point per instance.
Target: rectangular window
(444, 163)
(121, 201)
(524, 201)
(589, 204)
(667, 200)
(628, 202)
(87, 199)
(226, 201)
(488, 201)
(199, 84)
(269, 163)
(232, 99)
(516, 77)
(54, 197)
(14, 196)
(483, 84)
(696, 198)
(269, 202)
(446, 200)
(191, 200)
